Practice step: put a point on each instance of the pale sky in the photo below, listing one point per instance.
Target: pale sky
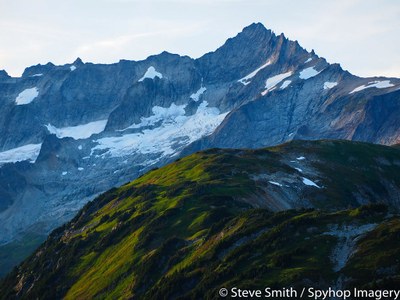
(362, 35)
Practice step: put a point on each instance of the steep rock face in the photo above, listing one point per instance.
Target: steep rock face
(381, 123)
(248, 50)
(179, 81)
(70, 132)
(322, 106)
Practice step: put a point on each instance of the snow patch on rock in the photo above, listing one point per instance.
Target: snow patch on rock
(329, 85)
(285, 84)
(151, 73)
(27, 152)
(376, 84)
(246, 80)
(27, 96)
(308, 73)
(83, 131)
(309, 182)
(196, 96)
(271, 82)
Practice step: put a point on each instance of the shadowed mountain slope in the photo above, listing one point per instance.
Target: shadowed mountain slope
(214, 219)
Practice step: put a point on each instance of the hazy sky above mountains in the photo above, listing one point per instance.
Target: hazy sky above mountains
(362, 35)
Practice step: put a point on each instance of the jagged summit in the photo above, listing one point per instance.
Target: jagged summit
(78, 62)
(4, 74)
(254, 37)
(38, 69)
(255, 29)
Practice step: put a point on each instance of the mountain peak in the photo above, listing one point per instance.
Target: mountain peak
(4, 74)
(78, 62)
(246, 50)
(255, 26)
(255, 29)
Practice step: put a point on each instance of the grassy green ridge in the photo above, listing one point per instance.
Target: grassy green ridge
(184, 230)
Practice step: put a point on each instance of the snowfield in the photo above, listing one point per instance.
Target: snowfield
(175, 132)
